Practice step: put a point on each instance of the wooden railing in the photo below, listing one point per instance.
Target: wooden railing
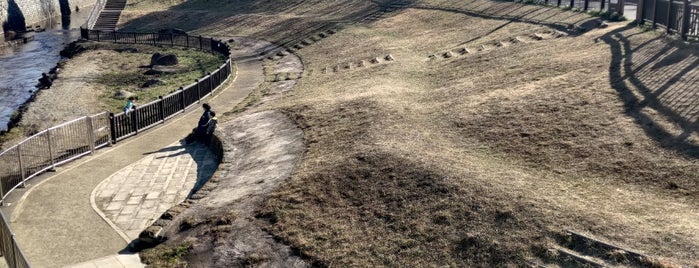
(678, 17)
(71, 140)
(130, 123)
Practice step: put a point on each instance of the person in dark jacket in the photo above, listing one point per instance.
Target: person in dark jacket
(199, 132)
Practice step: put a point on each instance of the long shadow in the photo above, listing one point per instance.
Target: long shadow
(304, 34)
(659, 91)
(563, 27)
(15, 18)
(206, 166)
(205, 160)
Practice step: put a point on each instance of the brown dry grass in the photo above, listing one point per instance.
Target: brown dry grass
(479, 159)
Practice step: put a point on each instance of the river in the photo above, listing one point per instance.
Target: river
(21, 66)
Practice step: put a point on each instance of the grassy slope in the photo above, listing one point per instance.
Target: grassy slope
(126, 71)
(478, 158)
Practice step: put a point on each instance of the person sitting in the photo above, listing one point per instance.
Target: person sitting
(210, 127)
(45, 81)
(200, 130)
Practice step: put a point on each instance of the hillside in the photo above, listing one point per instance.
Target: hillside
(455, 133)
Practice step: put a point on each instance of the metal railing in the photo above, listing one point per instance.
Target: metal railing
(586, 5)
(68, 141)
(8, 244)
(47, 149)
(94, 14)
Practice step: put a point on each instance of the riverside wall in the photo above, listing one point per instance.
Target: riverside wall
(18, 15)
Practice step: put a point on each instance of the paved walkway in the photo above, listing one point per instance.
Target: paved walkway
(135, 196)
(114, 261)
(54, 221)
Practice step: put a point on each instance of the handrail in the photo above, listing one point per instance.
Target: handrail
(73, 139)
(681, 17)
(94, 14)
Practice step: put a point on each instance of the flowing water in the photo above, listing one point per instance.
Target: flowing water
(21, 66)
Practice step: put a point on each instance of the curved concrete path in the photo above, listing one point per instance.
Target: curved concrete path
(135, 196)
(54, 221)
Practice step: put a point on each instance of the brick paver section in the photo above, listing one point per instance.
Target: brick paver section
(114, 261)
(135, 196)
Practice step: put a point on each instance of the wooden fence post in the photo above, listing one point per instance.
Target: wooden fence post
(586, 5)
(134, 123)
(187, 40)
(112, 127)
(135, 40)
(198, 91)
(200, 44)
(655, 11)
(211, 85)
(161, 109)
(172, 39)
(182, 102)
(98, 35)
(572, 3)
(669, 16)
(684, 30)
(115, 36)
(640, 12)
(620, 7)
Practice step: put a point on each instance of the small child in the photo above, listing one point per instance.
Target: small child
(129, 105)
(210, 127)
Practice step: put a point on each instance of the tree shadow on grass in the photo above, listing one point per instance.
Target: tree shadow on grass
(661, 80)
(305, 31)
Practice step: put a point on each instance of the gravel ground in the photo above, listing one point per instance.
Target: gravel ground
(74, 94)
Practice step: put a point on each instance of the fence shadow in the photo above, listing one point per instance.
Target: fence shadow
(664, 80)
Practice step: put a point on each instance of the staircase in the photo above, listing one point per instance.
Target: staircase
(580, 250)
(109, 16)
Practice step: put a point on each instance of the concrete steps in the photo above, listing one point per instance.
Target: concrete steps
(580, 250)
(109, 16)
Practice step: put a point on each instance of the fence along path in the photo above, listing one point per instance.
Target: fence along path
(678, 17)
(74, 139)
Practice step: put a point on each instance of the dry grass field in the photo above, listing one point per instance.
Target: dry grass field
(471, 133)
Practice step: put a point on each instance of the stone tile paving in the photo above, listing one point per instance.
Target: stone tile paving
(135, 196)
(115, 261)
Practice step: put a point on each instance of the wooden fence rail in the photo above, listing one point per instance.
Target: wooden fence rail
(679, 17)
(71, 140)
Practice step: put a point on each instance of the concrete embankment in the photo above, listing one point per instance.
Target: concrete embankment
(18, 15)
